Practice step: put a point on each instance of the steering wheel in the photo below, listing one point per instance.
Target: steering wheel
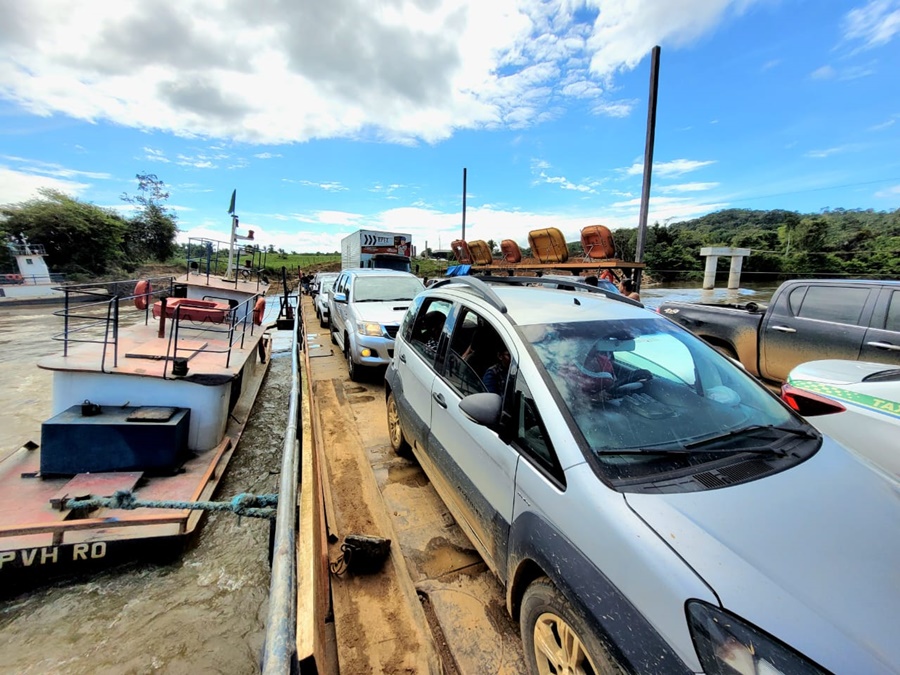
(624, 388)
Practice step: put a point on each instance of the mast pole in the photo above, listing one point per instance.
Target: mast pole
(464, 206)
(648, 159)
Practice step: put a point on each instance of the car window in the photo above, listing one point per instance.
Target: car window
(475, 358)
(893, 314)
(531, 435)
(834, 303)
(428, 327)
(645, 383)
(386, 289)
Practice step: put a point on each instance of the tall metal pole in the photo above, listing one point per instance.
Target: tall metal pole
(648, 156)
(464, 205)
(234, 221)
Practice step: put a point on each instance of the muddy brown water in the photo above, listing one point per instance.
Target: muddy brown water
(203, 613)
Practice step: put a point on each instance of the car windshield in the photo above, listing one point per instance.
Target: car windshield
(644, 386)
(386, 289)
(326, 282)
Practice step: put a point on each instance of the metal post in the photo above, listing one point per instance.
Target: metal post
(464, 206)
(648, 157)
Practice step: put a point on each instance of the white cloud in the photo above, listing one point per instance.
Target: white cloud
(674, 168)
(887, 124)
(824, 73)
(837, 150)
(889, 193)
(874, 24)
(328, 186)
(417, 70)
(267, 155)
(155, 156)
(19, 186)
(687, 187)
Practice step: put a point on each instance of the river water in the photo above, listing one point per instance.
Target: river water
(203, 613)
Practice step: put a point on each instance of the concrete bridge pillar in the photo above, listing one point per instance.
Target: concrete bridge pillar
(713, 254)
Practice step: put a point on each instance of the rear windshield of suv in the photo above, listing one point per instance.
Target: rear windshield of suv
(386, 289)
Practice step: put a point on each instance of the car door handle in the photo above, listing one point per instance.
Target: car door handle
(884, 345)
(402, 357)
(784, 329)
(439, 399)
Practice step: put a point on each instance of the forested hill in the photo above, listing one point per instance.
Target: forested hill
(783, 244)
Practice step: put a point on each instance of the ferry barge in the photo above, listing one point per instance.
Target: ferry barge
(150, 394)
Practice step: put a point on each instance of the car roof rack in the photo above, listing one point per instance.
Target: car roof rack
(481, 285)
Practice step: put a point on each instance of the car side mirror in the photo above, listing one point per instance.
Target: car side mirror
(483, 408)
(339, 297)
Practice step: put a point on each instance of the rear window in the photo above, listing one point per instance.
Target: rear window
(834, 303)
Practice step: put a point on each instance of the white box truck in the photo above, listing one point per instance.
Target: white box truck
(371, 248)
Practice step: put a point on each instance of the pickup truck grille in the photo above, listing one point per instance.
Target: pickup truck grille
(391, 331)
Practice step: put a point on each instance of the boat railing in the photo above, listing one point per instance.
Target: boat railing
(83, 324)
(93, 313)
(233, 330)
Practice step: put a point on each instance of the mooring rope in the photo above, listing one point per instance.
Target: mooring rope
(252, 506)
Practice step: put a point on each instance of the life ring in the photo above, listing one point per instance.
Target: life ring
(141, 294)
(258, 311)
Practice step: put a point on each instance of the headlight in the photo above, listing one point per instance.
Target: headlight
(368, 328)
(728, 645)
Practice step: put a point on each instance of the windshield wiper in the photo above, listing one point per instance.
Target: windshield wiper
(797, 431)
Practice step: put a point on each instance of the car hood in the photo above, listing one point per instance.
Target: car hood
(381, 312)
(836, 371)
(809, 555)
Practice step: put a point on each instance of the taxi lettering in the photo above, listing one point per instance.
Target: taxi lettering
(44, 555)
(887, 406)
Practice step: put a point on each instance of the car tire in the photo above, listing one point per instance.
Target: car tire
(353, 370)
(725, 350)
(333, 338)
(555, 637)
(395, 431)
(322, 321)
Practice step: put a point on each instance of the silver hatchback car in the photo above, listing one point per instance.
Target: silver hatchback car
(365, 307)
(648, 506)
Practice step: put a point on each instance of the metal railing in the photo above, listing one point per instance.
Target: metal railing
(85, 322)
(279, 652)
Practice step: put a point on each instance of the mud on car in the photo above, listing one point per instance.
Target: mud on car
(648, 506)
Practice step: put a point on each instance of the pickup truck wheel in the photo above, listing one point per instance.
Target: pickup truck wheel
(353, 370)
(333, 339)
(556, 639)
(725, 350)
(323, 322)
(395, 431)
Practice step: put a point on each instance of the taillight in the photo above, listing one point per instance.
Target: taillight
(807, 403)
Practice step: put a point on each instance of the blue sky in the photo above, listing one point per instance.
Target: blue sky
(330, 117)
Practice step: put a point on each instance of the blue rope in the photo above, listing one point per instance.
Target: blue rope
(252, 506)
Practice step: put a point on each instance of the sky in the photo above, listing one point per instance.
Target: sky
(328, 117)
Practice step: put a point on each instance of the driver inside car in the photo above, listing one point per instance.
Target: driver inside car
(599, 377)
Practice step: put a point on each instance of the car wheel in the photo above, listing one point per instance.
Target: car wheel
(353, 370)
(725, 350)
(556, 639)
(333, 338)
(323, 322)
(395, 432)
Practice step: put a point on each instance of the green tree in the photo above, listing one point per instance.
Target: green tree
(79, 238)
(152, 230)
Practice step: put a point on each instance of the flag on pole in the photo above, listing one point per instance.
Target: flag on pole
(231, 207)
